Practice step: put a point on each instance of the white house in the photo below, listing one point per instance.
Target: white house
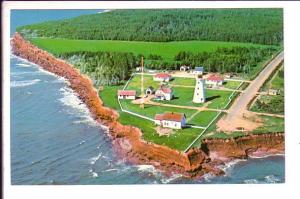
(198, 71)
(126, 94)
(162, 77)
(199, 91)
(164, 93)
(214, 80)
(171, 120)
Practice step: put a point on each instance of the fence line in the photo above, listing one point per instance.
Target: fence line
(212, 119)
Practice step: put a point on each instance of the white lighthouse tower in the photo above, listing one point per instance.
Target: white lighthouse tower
(199, 93)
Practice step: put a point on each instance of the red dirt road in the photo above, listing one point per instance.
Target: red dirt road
(235, 118)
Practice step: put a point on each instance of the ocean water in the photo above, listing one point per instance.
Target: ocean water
(55, 141)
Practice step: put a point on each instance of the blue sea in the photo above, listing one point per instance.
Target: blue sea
(55, 141)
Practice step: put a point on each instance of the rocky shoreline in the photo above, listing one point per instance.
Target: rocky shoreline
(128, 140)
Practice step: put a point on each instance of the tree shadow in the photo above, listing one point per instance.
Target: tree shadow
(212, 98)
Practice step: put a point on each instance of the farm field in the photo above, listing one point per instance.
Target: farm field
(167, 50)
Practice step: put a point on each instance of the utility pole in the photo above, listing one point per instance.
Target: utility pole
(142, 84)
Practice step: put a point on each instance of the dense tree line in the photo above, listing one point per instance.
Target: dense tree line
(235, 59)
(113, 68)
(264, 26)
(105, 68)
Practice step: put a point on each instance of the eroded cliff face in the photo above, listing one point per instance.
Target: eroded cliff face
(128, 139)
(243, 147)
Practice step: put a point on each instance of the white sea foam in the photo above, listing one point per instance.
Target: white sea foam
(227, 167)
(271, 179)
(251, 181)
(171, 178)
(71, 99)
(82, 142)
(24, 83)
(23, 65)
(94, 174)
(266, 156)
(108, 170)
(93, 160)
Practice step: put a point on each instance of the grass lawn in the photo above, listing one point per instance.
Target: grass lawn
(167, 50)
(183, 81)
(109, 97)
(135, 83)
(277, 82)
(271, 124)
(231, 84)
(203, 118)
(180, 140)
(184, 96)
(150, 110)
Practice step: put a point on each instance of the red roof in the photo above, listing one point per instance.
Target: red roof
(177, 117)
(215, 78)
(127, 92)
(163, 75)
(165, 89)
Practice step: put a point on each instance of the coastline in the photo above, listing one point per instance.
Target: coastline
(128, 139)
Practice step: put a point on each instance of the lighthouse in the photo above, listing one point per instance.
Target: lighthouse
(199, 93)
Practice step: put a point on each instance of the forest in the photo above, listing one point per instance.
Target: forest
(261, 26)
(113, 68)
(104, 68)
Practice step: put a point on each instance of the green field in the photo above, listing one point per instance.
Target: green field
(151, 110)
(167, 50)
(231, 84)
(183, 96)
(183, 81)
(271, 124)
(203, 118)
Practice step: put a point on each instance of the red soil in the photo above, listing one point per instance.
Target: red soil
(127, 139)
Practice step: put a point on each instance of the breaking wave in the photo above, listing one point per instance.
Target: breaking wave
(71, 99)
(24, 83)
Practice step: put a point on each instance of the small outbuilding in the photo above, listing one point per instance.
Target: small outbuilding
(162, 77)
(214, 80)
(150, 90)
(198, 70)
(184, 68)
(273, 92)
(126, 94)
(138, 69)
(171, 120)
(164, 93)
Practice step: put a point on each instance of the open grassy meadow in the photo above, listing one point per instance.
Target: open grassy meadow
(167, 50)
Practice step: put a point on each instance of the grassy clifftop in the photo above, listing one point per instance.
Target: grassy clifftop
(263, 26)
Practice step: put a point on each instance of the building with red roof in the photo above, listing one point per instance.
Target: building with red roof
(171, 120)
(214, 80)
(162, 77)
(126, 94)
(164, 93)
